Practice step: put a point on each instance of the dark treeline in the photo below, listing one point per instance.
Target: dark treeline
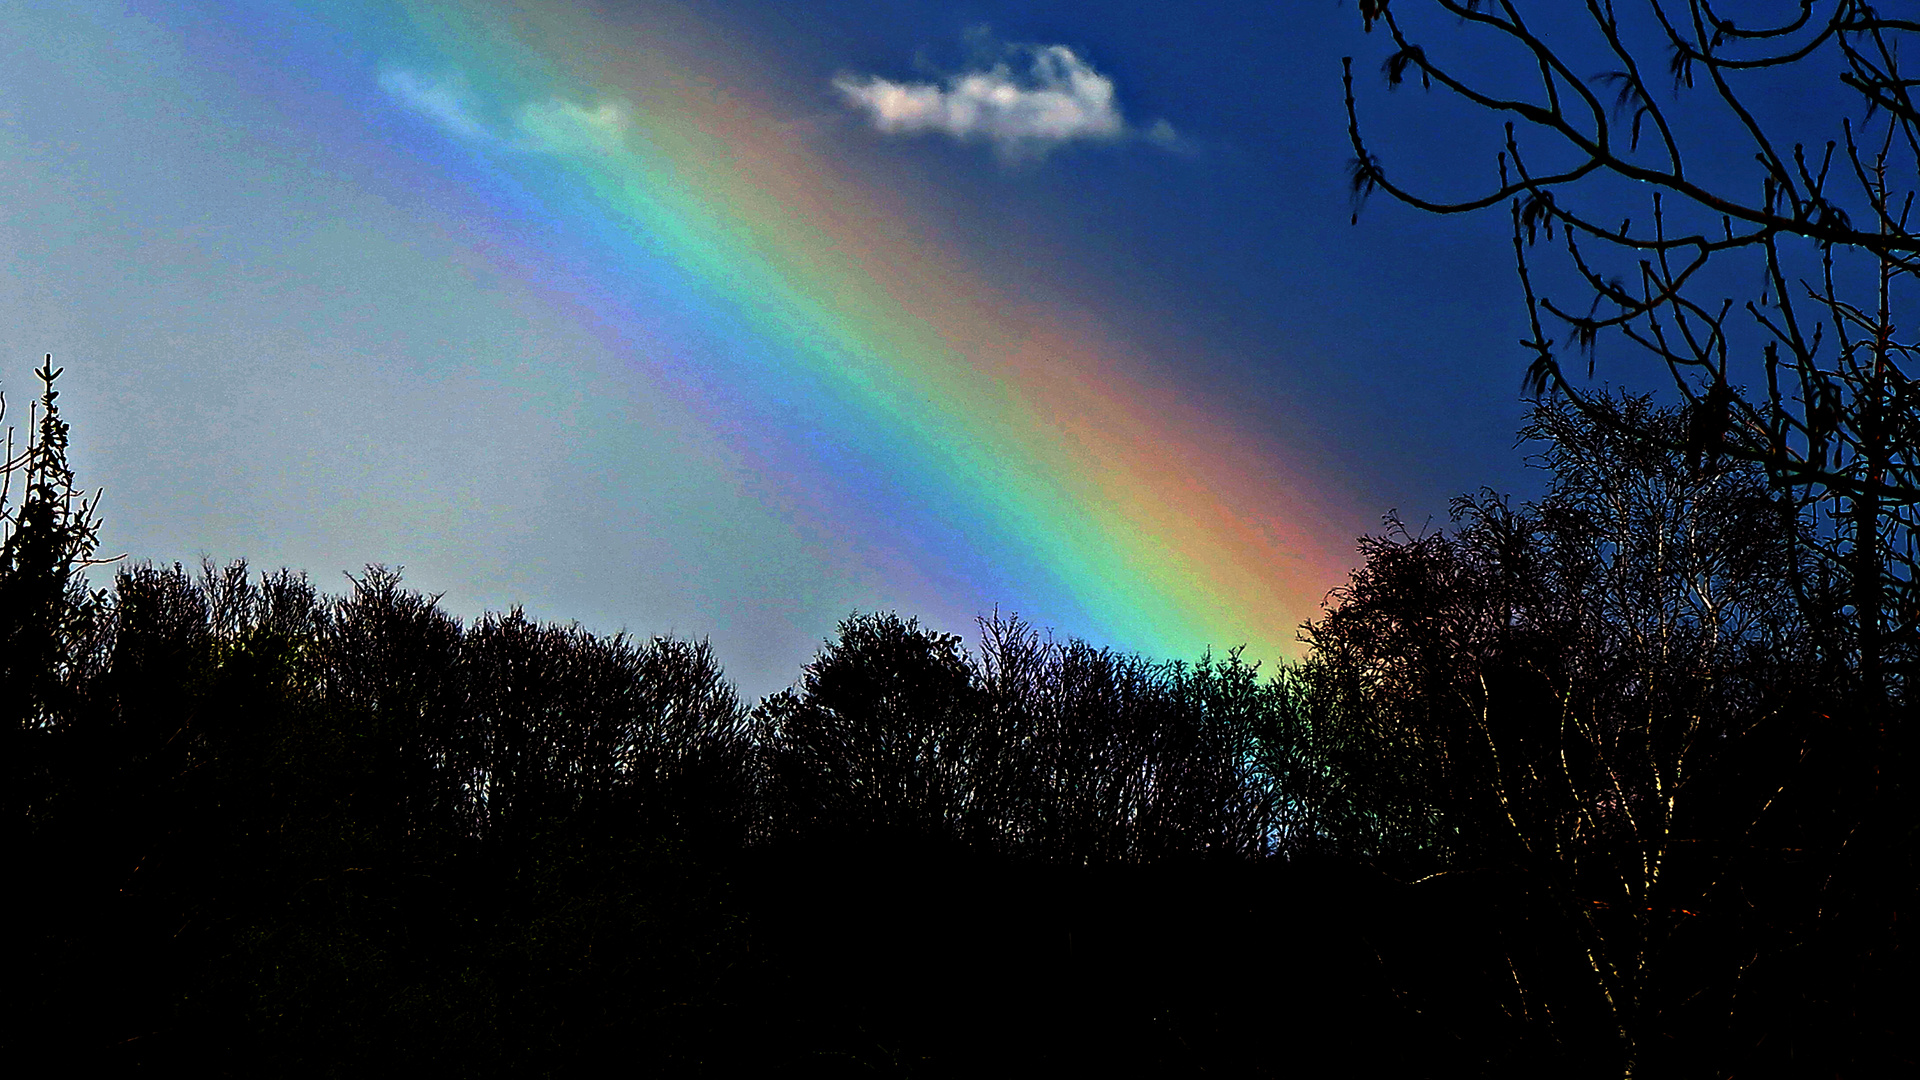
(1581, 787)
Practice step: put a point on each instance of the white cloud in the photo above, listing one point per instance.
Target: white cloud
(552, 126)
(440, 98)
(1034, 98)
(559, 126)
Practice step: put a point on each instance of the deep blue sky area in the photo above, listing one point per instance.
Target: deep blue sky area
(1396, 338)
(1397, 333)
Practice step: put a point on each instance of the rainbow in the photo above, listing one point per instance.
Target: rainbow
(629, 165)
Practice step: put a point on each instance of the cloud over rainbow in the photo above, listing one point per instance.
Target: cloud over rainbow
(997, 443)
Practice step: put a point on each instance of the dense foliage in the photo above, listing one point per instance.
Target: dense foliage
(1577, 786)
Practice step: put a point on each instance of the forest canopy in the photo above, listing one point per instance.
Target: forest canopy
(1583, 785)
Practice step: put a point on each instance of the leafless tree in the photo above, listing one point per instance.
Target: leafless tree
(1808, 374)
(1593, 710)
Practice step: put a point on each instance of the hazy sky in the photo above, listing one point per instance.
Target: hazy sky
(728, 318)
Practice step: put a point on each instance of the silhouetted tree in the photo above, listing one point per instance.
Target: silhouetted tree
(1600, 706)
(1037, 748)
(1808, 377)
(566, 720)
(874, 738)
(48, 620)
(1100, 756)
